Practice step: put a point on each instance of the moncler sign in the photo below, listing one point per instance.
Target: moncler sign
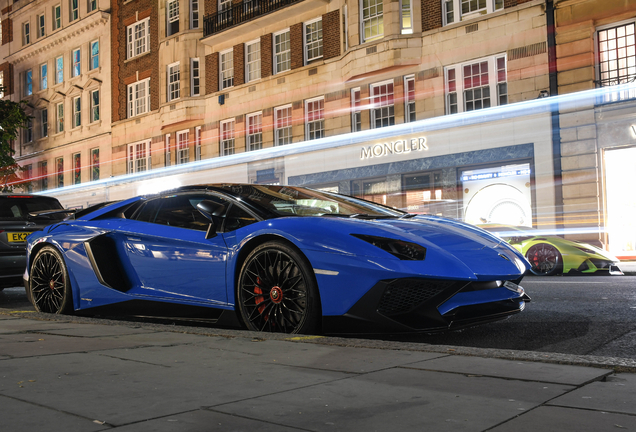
(393, 147)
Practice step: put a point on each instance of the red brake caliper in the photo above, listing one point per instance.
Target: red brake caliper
(259, 298)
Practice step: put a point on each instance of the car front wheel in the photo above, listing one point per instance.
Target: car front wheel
(277, 291)
(545, 259)
(49, 287)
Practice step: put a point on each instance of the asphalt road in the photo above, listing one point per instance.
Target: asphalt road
(580, 315)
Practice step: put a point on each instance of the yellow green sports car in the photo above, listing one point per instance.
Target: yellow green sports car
(550, 255)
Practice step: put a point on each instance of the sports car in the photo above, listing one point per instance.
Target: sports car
(276, 259)
(550, 255)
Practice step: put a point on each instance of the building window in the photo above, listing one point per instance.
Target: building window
(226, 66)
(74, 10)
(26, 33)
(43, 77)
(313, 40)
(382, 111)
(195, 77)
(94, 164)
(94, 106)
(28, 174)
(59, 118)
(57, 17)
(59, 168)
(41, 28)
(44, 123)
(283, 125)
(183, 152)
(1, 83)
(138, 38)
(174, 87)
(617, 59)
(315, 118)
(227, 137)
(77, 168)
(139, 98)
(356, 114)
(194, 14)
(406, 16)
(59, 70)
(94, 62)
(92, 5)
(138, 157)
(459, 10)
(167, 148)
(27, 134)
(44, 176)
(254, 139)
(77, 112)
(28, 82)
(197, 143)
(476, 85)
(372, 23)
(172, 16)
(282, 52)
(253, 60)
(76, 67)
(409, 98)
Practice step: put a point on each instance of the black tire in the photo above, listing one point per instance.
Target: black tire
(49, 287)
(277, 291)
(545, 259)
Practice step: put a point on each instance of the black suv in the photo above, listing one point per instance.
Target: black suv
(15, 225)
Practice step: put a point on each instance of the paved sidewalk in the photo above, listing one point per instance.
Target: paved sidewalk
(66, 375)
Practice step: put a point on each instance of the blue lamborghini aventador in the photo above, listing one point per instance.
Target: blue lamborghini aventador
(277, 259)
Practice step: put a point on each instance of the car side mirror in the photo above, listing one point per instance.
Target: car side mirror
(210, 210)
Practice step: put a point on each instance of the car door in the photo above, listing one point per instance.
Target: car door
(165, 246)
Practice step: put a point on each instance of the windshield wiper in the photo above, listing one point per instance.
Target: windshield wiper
(407, 216)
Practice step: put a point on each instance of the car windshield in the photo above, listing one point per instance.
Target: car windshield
(18, 208)
(288, 200)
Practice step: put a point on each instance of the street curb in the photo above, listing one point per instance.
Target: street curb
(617, 364)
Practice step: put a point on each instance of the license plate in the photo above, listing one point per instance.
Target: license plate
(17, 237)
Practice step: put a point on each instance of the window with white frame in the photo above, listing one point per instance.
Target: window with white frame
(44, 77)
(174, 87)
(41, 26)
(138, 38)
(172, 17)
(138, 98)
(183, 152)
(139, 157)
(94, 61)
(356, 114)
(167, 150)
(59, 70)
(57, 17)
(616, 46)
(95, 106)
(59, 172)
(315, 118)
(253, 60)
(254, 136)
(382, 105)
(409, 98)
(227, 137)
(26, 33)
(27, 132)
(312, 40)
(476, 85)
(92, 5)
(73, 10)
(282, 51)
(28, 82)
(44, 123)
(76, 65)
(77, 168)
(77, 112)
(283, 125)
(226, 69)
(197, 143)
(372, 22)
(459, 10)
(406, 16)
(59, 117)
(195, 77)
(224, 11)
(194, 14)
(44, 175)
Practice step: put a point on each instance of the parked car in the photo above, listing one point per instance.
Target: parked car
(277, 259)
(16, 224)
(550, 255)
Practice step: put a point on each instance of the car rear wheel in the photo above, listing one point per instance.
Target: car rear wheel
(49, 287)
(545, 259)
(277, 291)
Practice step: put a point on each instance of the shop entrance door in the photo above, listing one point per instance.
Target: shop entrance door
(621, 202)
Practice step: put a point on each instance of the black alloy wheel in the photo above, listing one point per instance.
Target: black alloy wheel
(545, 259)
(277, 291)
(49, 287)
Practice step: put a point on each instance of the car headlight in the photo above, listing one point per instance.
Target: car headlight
(401, 249)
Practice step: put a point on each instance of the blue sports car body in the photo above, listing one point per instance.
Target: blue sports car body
(276, 258)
